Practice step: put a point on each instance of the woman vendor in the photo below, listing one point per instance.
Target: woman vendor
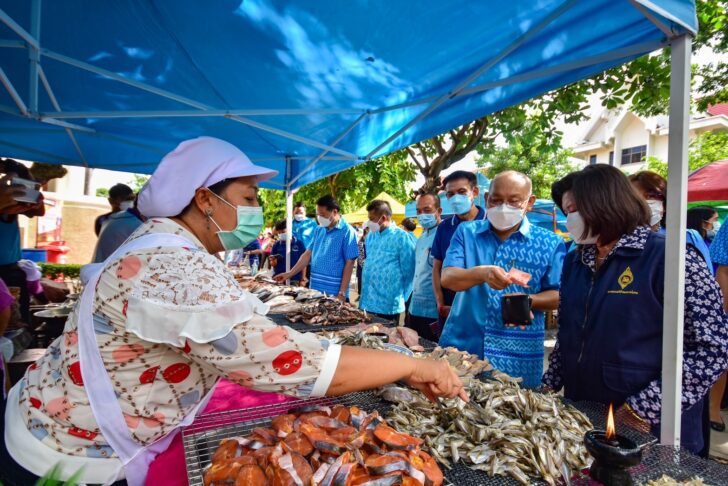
(609, 345)
(162, 320)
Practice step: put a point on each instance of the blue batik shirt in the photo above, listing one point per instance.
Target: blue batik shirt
(330, 250)
(719, 247)
(475, 323)
(389, 270)
(423, 296)
(304, 231)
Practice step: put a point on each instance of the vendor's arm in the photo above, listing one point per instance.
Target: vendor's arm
(433, 378)
(705, 342)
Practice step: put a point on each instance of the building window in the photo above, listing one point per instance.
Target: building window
(611, 158)
(634, 155)
(592, 160)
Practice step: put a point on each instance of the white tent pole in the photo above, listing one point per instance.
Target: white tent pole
(289, 215)
(674, 294)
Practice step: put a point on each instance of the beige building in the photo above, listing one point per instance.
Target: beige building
(70, 215)
(625, 140)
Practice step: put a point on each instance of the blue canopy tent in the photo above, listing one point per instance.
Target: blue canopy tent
(312, 88)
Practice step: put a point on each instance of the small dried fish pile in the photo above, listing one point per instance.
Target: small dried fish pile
(362, 336)
(322, 446)
(327, 312)
(666, 480)
(464, 363)
(504, 430)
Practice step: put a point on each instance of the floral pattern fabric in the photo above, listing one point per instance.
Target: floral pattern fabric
(158, 381)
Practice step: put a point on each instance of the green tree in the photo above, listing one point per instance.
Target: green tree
(352, 188)
(102, 192)
(644, 83)
(533, 153)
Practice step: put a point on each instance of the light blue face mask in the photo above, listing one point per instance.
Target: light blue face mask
(460, 204)
(250, 222)
(427, 221)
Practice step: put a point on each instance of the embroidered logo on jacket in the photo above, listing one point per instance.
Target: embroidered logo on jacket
(624, 281)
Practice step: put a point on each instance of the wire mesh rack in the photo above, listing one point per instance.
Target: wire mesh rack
(202, 438)
(281, 320)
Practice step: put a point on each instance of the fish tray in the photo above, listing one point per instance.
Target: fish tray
(202, 438)
(281, 320)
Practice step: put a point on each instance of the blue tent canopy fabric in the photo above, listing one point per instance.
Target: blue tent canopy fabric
(306, 88)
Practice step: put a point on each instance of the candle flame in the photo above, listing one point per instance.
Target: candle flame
(611, 430)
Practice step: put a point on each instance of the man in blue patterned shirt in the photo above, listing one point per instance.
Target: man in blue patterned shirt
(332, 253)
(476, 267)
(390, 265)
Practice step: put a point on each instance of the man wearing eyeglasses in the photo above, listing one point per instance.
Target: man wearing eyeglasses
(480, 265)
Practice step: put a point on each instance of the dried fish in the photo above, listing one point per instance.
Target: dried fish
(327, 311)
(505, 430)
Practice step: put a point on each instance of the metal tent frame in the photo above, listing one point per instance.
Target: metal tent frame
(679, 41)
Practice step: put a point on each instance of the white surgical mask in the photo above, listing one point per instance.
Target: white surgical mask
(576, 226)
(324, 222)
(124, 205)
(712, 232)
(299, 217)
(283, 237)
(373, 227)
(504, 217)
(657, 209)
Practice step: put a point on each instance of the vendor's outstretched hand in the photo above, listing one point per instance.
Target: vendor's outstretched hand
(436, 379)
(281, 277)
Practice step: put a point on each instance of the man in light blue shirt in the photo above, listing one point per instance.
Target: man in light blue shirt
(390, 264)
(332, 253)
(303, 227)
(476, 267)
(423, 308)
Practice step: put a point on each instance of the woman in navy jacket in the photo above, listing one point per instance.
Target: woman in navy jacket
(609, 346)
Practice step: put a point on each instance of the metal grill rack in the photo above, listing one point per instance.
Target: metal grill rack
(281, 320)
(202, 438)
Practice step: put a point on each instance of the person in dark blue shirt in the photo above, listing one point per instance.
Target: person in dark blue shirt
(462, 189)
(278, 252)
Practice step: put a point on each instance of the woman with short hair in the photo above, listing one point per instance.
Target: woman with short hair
(609, 344)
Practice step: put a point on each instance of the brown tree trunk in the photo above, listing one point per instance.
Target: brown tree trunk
(87, 181)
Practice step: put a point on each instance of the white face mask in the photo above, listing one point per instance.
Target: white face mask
(124, 205)
(373, 227)
(324, 222)
(504, 217)
(299, 217)
(576, 226)
(283, 237)
(656, 211)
